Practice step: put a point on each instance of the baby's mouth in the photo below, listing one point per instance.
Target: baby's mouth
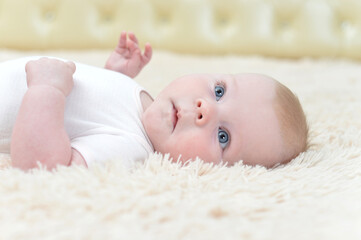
(174, 116)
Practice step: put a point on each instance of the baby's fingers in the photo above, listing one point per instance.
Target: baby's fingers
(147, 53)
(72, 66)
(132, 46)
(123, 40)
(133, 37)
(28, 65)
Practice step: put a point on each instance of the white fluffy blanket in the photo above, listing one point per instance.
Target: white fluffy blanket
(316, 196)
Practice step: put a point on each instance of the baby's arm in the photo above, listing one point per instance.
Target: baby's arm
(127, 58)
(39, 134)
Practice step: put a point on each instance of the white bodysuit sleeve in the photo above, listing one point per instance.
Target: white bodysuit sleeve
(98, 148)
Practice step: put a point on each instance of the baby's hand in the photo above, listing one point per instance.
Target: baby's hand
(50, 72)
(127, 57)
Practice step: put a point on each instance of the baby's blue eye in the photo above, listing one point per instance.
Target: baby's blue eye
(223, 138)
(219, 92)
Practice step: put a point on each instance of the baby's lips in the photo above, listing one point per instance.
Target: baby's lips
(174, 117)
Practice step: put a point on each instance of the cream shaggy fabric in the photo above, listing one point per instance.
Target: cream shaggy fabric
(316, 196)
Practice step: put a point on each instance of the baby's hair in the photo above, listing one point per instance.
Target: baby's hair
(292, 120)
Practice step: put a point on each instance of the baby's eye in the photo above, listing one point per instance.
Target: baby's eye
(223, 138)
(219, 92)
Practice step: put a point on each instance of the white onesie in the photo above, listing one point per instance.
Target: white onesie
(102, 113)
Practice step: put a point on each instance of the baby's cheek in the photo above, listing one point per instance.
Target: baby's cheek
(194, 146)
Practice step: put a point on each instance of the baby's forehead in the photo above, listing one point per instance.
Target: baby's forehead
(256, 86)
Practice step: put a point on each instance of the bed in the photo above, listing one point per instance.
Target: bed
(313, 47)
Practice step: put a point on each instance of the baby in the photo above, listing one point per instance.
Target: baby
(56, 112)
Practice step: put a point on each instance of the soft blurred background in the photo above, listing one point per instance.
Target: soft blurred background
(279, 28)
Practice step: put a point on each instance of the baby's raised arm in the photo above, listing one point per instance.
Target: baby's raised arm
(127, 57)
(39, 134)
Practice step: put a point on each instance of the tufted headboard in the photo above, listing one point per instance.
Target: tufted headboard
(281, 28)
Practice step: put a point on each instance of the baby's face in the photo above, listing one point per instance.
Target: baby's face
(217, 118)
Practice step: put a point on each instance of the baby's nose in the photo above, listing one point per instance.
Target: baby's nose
(203, 112)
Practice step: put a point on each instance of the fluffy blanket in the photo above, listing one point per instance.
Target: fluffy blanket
(316, 196)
